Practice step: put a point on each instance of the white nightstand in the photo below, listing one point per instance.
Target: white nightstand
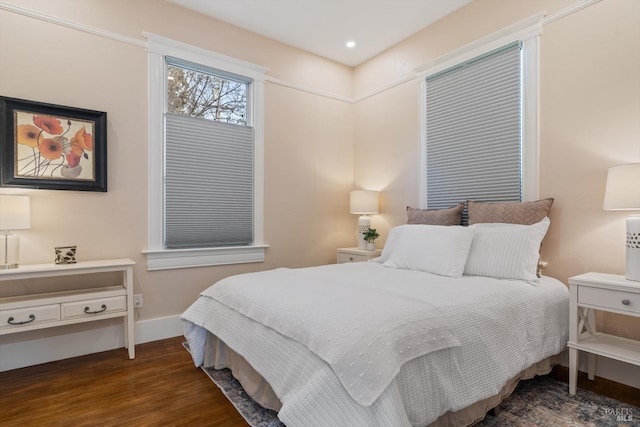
(606, 292)
(356, 255)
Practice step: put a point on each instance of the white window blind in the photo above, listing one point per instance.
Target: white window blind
(474, 130)
(208, 184)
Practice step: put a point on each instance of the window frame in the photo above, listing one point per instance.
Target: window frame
(527, 32)
(158, 257)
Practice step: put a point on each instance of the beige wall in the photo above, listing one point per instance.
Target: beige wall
(308, 138)
(590, 120)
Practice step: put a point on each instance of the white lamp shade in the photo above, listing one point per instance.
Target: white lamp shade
(623, 193)
(15, 212)
(364, 202)
(623, 188)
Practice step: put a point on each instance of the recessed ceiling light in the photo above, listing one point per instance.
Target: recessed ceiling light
(350, 44)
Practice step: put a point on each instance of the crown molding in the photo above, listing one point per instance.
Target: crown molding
(273, 80)
(70, 24)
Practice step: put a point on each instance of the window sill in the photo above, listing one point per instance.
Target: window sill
(166, 259)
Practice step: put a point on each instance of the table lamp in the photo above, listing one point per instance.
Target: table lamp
(363, 202)
(14, 215)
(623, 193)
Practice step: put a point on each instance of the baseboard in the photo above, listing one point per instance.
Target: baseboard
(46, 345)
(158, 329)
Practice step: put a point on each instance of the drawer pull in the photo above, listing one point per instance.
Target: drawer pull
(626, 302)
(350, 258)
(11, 322)
(102, 308)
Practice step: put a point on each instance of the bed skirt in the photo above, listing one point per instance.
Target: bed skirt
(218, 355)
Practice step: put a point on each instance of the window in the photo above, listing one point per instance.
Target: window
(208, 190)
(206, 158)
(480, 125)
(473, 131)
(196, 91)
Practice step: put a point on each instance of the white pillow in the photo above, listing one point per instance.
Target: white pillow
(506, 251)
(389, 244)
(436, 249)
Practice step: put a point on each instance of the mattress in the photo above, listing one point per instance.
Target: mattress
(504, 327)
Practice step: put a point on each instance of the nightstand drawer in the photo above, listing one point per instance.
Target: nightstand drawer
(610, 299)
(347, 257)
(93, 307)
(29, 316)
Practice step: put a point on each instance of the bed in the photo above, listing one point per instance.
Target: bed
(436, 331)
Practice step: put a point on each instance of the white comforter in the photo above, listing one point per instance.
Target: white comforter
(364, 326)
(503, 327)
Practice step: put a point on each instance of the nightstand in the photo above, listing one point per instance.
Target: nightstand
(356, 255)
(606, 292)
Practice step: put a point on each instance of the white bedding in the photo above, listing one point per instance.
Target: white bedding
(503, 327)
(365, 326)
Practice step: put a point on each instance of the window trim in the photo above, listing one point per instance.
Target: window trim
(528, 33)
(159, 258)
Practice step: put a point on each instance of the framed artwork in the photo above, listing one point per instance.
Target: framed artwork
(52, 147)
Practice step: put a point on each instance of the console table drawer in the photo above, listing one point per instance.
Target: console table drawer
(93, 307)
(607, 298)
(15, 318)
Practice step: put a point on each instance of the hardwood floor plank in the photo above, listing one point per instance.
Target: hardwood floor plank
(160, 387)
(603, 386)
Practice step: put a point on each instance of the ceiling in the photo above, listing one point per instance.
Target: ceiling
(324, 26)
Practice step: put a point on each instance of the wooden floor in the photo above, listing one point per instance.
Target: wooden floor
(160, 387)
(602, 386)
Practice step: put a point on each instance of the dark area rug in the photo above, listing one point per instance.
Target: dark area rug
(541, 401)
(544, 401)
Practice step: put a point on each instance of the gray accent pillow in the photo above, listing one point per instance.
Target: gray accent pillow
(525, 213)
(448, 216)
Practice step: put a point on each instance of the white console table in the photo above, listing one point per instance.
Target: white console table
(46, 310)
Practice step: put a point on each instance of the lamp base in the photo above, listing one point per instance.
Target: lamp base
(633, 248)
(364, 223)
(9, 250)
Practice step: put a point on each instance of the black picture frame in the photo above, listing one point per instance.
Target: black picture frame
(52, 147)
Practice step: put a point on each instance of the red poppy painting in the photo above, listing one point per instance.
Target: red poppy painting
(52, 147)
